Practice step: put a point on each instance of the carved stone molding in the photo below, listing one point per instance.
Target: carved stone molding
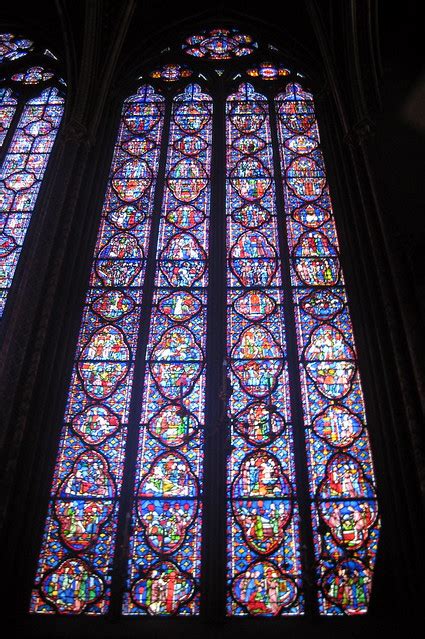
(360, 132)
(75, 131)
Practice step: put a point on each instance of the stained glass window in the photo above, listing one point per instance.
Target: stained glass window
(29, 124)
(34, 75)
(132, 456)
(7, 110)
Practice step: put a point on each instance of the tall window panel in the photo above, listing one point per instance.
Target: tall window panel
(22, 171)
(343, 499)
(165, 549)
(263, 537)
(7, 110)
(74, 571)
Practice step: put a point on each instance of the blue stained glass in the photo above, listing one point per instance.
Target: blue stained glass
(7, 110)
(34, 75)
(219, 44)
(21, 174)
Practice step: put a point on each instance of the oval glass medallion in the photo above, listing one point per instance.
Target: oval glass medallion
(95, 424)
(329, 361)
(247, 117)
(142, 118)
(179, 306)
(192, 117)
(259, 423)
(264, 590)
(253, 259)
(173, 425)
(190, 145)
(251, 216)
(322, 304)
(254, 305)
(113, 305)
(119, 261)
(338, 426)
(250, 179)
(160, 482)
(316, 260)
(257, 361)
(187, 179)
(248, 144)
(176, 362)
(132, 180)
(185, 217)
(183, 261)
(306, 178)
(162, 589)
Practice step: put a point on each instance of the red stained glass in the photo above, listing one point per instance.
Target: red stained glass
(268, 71)
(171, 72)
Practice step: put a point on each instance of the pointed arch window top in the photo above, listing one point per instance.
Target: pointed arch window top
(145, 93)
(48, 95)
(219, 44)
(13, 47)
(193, 92)
(246, 92)
(295, 93)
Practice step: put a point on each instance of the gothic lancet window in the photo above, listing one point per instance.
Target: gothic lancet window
(219, 146)
(31, 108)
